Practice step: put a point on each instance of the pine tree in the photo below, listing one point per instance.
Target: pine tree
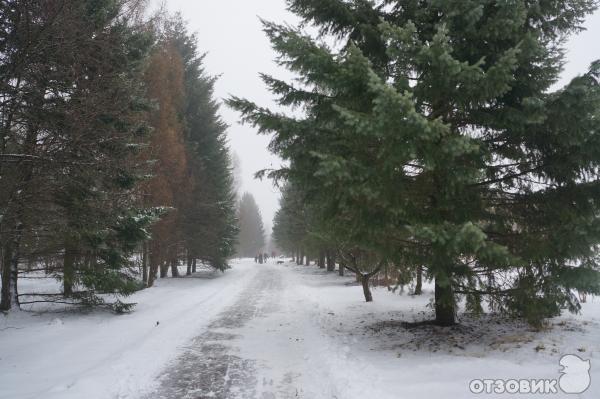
(433, 138)
(289, 224)
(252, 233)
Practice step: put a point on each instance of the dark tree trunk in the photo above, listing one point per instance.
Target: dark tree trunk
(386, 276)
(322, 260)
(341, 268)
(6, 302)
(419, 285)
(14, 277)
(194, 266)
(189, 266)
(366, 290)
(330, 262)
(444, 305)
(69, 269)
(11, 292)
(154, 266)
(164, 269)
(145, 263)
(154, 261)
(174, 268)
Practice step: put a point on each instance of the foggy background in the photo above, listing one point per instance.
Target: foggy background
(238, 50)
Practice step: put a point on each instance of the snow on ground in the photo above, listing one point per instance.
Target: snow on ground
(101, 355)
(285, 331)
(367, 350)
(322, 341)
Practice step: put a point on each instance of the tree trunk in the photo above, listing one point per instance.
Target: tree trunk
(321, 260)
(10, 272)
(164, 269)
(145, 263)
(419, 285)
(10, 293)
(69, 269)
(342, 267)
(6, 302)
(189, 266)
(444, 305)
(194, 266)
(14, 280)
(386, 276)
(366, 290)
(153, 266)
(174, 268)
(330, 262)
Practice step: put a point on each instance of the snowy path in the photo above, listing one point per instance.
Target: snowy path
(259, 347)
(209, 367)
(278, 331)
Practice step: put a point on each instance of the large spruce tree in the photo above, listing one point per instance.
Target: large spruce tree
(434, 137)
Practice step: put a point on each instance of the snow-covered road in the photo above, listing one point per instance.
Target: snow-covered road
(211, 365)
(267, 344)
(277, 331)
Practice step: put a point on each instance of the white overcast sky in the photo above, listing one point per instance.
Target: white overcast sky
(231, 33)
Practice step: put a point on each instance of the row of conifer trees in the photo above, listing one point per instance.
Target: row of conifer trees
(111, 149)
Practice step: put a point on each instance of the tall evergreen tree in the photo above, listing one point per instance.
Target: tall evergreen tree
(289, 224)
(210, 216)
(252, 239)
(433, 138)
(193, 175)
(170, 184)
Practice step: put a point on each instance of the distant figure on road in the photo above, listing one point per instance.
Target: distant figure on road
(260, 258)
